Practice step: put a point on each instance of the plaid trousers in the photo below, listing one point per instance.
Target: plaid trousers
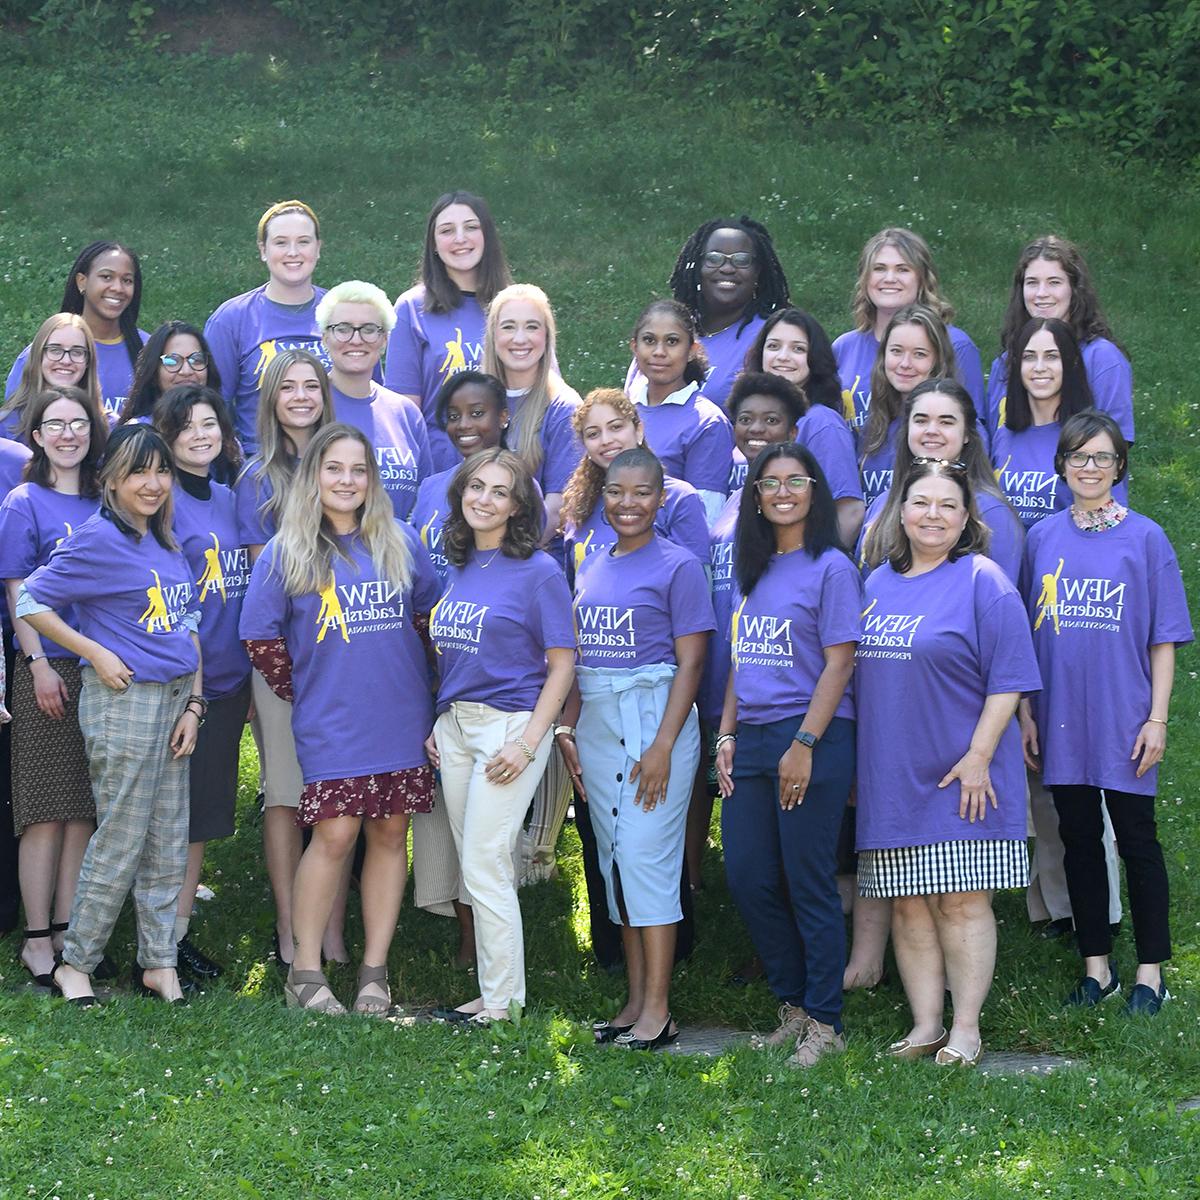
(141, 836)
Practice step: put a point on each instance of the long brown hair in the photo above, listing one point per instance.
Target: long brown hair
(587, 480)
(914, 249)
(33, 381)
(524, 529)
(39, 469)
(442, 294)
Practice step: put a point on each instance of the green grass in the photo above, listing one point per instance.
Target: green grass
(234, 1096)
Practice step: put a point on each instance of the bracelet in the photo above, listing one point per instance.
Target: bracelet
(30, 659)
(565, 731)
(200, 717)
(1156, 720)
(200, 700)
(522, 745)
(725, 737)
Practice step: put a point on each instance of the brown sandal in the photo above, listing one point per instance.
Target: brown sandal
(303, 987)
(372, 1006)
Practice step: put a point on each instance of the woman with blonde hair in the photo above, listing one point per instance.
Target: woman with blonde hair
(62, 354)
(519, 349)
(895, 269)
(331, 617)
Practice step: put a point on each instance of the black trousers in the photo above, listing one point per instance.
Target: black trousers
(1081, 825)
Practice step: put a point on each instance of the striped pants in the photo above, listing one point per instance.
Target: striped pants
(141, 820)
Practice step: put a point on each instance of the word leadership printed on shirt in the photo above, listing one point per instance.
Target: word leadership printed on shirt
(364, 606)
(605, 629)
(887, 635)
(1079, 603)
(396, 465)
(165, 607)
(272, 346)
(1028, 491)
(226, 572)
(457, 624)
(720, 557)
(761, 640)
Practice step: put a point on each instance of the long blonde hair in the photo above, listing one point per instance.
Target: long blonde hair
(33, 382)
(306, 544)
(914, 249)
(276, 458)
(528, 421)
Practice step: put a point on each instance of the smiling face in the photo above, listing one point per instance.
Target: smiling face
(181, 346)
(143, 491)
(761, 421)
(474, 421)
(458, 240)
(908, 358)
(1047, 289)
(520, 341)
(785, 492)
(936, 428)
(291, 249)
(65, 447)
(725, 287)
(785, 352)
(199, 442)
(359, 355)
(343, 481)
(662, 347)
(62, 363)
(1042, 368)
(487, 504)
(607, 432)
(892, 281)
(298, 403)
(933, 515)
(632, 498)
(108, 286)
(1092, 484)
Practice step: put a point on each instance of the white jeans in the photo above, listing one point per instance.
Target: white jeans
(486, 820)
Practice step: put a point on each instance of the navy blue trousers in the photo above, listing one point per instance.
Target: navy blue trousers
(782, 866)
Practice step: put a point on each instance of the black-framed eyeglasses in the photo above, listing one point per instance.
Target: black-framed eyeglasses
(343, 331)
(197, 360)
(796, 484)
(54, 352)
(739, 258)
(1104, 459)
(56, 427)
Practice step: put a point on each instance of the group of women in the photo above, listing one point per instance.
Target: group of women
(890, 616)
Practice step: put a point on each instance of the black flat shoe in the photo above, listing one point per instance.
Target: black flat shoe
(77, 1001)
(664, 1037)
(146, 990)
(283, 963)
(44, 979)
(452, 1016)
(605, 1031)
(194, 962)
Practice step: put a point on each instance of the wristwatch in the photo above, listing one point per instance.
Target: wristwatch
(805, 738)
(30, 659)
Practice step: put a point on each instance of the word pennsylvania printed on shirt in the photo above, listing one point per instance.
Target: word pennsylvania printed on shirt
(1091, 603)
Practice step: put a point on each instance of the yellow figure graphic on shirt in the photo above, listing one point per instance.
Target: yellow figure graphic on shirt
(1002, 468)
(580, 549)
(59, 541)
(331, 612)
(1048, 599)
(427, 529)
(266, 353)
(1001, 411)
(455, 359)
(737, 617)
(213, 576)
(870, 606)
(848, 399)
(433, 616)
(156, 615)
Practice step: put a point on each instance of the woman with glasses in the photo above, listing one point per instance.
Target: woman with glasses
(176, 353)
(62, 354)
(785, 751)
(104, 288)
(355, 319)
(247, 331)
(1106, 601)
(53, 810)
(941, 789)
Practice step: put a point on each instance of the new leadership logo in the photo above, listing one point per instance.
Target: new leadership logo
(164, 606)
(887, 635)
(457, 624)
(1089, 603)
(761, 639)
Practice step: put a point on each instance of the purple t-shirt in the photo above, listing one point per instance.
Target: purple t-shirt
(13, 457)
(630, 609)
(855, 354)
(680, 520)
(394, 426)
(711, 699)
(207, 533)
(362, 703)
(493, 625)
(129, 594)
(251, 492)
(114, 372)
(1024, 465)
(832, 444)
(779, 632)
(1005, 548)
(245, 334)
(1097, 603)
(933, 648)
(561, 449)
(34, 521)
(877, 467)
(693, 438)
(429, 516)
(1109, 375)
(425, 349)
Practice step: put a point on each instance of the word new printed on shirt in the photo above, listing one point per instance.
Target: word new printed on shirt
(1079, 603)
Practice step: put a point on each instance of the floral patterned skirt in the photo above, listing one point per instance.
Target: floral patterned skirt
(387, 794)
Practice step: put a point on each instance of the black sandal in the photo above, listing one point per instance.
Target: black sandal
(105, 970)
(45, 979)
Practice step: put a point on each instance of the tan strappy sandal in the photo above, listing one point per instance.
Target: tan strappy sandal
(302, 989)
(371, 1005)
